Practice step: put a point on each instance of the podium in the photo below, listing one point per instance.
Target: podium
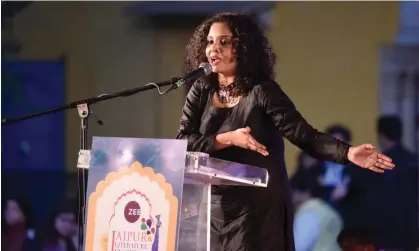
(201, 173)
(151, 194)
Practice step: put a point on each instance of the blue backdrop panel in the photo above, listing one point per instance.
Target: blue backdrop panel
(27, 87)
(33, 161)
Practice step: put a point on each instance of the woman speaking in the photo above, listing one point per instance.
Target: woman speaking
(239, 113)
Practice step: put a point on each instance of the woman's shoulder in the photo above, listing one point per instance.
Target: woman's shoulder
(202, 84)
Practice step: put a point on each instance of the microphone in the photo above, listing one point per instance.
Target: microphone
(204, 69)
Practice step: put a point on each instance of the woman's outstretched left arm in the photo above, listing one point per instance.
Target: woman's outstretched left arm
(298, 131)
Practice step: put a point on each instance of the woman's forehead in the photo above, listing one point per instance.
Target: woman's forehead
(219, 30)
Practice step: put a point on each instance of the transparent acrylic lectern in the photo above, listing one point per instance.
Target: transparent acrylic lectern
(201, 172)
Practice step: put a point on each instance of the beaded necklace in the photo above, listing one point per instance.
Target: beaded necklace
(228, 94)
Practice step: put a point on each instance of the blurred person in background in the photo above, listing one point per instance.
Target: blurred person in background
(239, 113)
(60, 233)
(393, 199)
(316, 224)
(307, 165)
(18, 232)
(344, 187)
(335, 178)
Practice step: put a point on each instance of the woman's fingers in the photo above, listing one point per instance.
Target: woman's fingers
(253, 147)
(263, 152)
(384, 166)
(248, 142)
(377, 170)
(256, 146)
(385, 160)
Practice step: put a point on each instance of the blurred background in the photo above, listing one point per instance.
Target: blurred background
(351, 68)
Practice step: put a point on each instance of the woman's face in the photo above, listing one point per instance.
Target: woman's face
(220, 51)
(13, 214)
(65, 224)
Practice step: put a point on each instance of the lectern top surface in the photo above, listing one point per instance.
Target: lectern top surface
(203, 169)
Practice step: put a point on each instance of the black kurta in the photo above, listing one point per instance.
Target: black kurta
(246, 218)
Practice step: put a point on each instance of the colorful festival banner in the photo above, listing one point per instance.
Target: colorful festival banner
(134, 194)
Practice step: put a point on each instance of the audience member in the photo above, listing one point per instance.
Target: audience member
(335, 178)
(392, 209)
(60, 233)
(18, 232)
(316, 224)
(306, 165)
(344, 187)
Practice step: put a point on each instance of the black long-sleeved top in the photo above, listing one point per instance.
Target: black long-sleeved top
(262, 217)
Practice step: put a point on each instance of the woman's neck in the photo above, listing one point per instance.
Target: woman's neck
(225, 79)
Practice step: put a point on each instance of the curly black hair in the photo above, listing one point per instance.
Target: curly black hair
(254, 56)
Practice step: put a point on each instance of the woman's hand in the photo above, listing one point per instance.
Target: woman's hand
(240, 138)
(366, 156)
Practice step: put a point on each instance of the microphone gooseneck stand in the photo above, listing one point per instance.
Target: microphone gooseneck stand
(83, 107)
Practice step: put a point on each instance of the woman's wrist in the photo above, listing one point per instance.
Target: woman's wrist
(349, 155)
(223, 140)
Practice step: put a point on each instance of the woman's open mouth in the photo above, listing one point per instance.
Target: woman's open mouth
(214, 60)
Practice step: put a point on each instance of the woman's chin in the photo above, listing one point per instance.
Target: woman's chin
(217, 69)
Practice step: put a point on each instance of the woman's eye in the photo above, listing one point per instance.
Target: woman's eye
(225, 42)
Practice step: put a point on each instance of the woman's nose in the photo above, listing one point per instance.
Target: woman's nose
(216, 47)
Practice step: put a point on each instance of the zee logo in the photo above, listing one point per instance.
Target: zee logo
(132, 211)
